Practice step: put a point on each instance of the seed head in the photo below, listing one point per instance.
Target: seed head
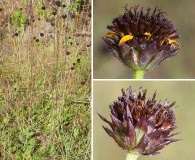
(140, 126)
(43, 8)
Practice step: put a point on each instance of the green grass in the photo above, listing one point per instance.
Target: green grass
(45, 89)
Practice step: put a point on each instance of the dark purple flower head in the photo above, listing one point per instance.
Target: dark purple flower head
(141, 41)
(140, 126)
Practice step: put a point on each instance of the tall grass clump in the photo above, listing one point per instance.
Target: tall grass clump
(45, 79)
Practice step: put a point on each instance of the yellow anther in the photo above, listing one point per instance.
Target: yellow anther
(148, 35)
(125, 38)
(170, 41)
(163, 41)
(111, 33)
(174, 42)
(164, 112)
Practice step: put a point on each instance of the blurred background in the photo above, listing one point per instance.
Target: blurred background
(104, 147)
(181, 13)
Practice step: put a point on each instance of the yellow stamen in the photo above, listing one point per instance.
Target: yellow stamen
(174, 42)
(170, 41)
(164, 112)
(111, 33)
(163, 41)
(148, 35)
(125, 38)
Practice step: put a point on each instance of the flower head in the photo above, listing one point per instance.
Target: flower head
(141, 41)
(139, 126)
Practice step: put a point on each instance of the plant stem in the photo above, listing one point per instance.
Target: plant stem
(132, 156)
(138, 74)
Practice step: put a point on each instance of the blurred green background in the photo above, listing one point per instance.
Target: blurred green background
(105, 92)
(181, 13)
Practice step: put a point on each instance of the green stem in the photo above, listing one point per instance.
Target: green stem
(132, 156)
(138, 74)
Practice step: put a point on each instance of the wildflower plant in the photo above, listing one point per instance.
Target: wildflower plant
(141, 41)
(140, 126)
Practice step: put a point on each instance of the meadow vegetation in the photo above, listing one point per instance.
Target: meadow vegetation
(45, 79)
